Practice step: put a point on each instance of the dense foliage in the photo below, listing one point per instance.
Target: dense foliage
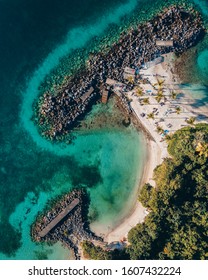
(93, 252)
(177, 225)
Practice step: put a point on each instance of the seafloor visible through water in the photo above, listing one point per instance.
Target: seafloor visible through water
(108, 160)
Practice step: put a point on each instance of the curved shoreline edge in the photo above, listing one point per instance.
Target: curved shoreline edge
(156, 151)
(118, 70)
(138, 213)
(85, 33)
(156, 147)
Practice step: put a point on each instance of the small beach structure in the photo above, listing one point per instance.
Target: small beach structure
(140, 48)
(58, 218)
(154, 62)
(87, 94)
(129, 73)
(104, 96)
(129, 70)
(164, 43)
(117, 86)
(111, 82)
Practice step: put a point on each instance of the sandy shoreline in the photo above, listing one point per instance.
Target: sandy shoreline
(156, 151)
(137, 214)
(157, 146)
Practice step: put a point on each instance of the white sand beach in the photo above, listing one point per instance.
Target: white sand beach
(167, 116)
(138, 213)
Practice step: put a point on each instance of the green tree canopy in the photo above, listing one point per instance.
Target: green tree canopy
(177, 225)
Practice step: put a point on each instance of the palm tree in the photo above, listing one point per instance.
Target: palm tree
(160, 130)
(178, 110)
(202, 149)
(131, 79)
(199, 137)
(191, 120)
(159, 83)
(159, 95)
(146, 101)
(169, 136)
(139, 91)
(158, 98)
(174, 94)
(151, 116)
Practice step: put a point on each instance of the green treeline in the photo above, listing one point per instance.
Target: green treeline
(93, 252)
(177, 224)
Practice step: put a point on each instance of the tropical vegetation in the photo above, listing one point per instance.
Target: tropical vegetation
(177, 224)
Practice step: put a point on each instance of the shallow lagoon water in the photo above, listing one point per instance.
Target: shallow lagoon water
(32, 170)
(202, 64)
(105, 162)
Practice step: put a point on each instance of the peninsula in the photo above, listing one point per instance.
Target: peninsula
(65, 221)
(174, 30)
(139, 70)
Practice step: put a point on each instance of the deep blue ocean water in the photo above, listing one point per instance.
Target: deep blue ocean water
(34, 36)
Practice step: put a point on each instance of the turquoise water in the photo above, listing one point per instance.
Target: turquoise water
(108, 161)
(109, 169)
(203, 4)
(200, 90)
(202, 64)
(197, 85)
(33, 170)
(75, 39)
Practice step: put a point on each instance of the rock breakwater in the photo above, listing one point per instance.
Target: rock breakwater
(70, 229)
(58, 113)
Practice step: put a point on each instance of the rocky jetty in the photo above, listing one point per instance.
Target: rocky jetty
(70, 230)
(59, 113)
